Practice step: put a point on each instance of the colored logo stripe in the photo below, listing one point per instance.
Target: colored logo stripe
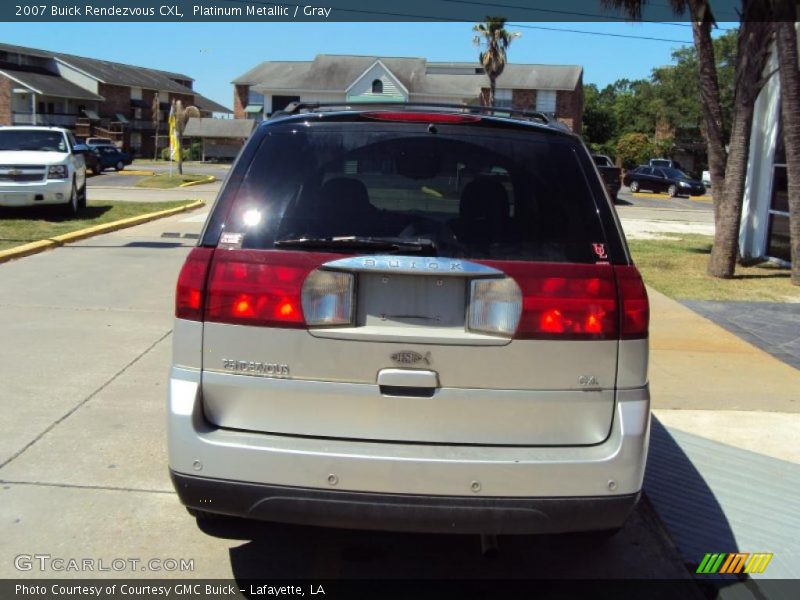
(734, 562)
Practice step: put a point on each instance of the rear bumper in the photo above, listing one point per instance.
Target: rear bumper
(543, 489)
(403, 512)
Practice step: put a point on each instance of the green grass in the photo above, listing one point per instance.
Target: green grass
(677, 267)
(169, 181)
(21, 226)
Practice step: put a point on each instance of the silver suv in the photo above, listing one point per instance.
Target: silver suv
(411, 318)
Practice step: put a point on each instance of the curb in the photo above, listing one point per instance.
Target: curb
(134, 172)
(74, 236)
(208, 179)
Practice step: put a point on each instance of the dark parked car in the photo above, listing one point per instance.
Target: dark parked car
(656, 179)
(609, 173)
(111, 157)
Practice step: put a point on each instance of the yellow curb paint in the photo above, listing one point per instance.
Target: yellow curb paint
(74, 236)
(134, 172)
(208, 179)
(667, 197)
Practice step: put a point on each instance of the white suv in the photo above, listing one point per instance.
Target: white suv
(41, 165)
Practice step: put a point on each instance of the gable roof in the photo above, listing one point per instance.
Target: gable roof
(50, 85)
(110, 72)
(208, 105)
(328, 72)
(378, 62)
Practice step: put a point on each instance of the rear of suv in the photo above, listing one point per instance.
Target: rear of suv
(412, 318)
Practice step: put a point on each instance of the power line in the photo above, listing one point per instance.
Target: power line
(430, 18)
(594, 16)
(600, 33)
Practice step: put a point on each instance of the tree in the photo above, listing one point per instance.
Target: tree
(751, 59)
(495, 39)
(182, 116)
(634, 149)
(786, 43)
(155, 110)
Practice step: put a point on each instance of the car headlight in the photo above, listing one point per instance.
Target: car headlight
(57, 172)
(683, 184)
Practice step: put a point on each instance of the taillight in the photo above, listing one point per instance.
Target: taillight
(256, 288)
(328, 298)
(191, 284)
(495, 306)
(564, 301)
(420, 117)
(635, 312)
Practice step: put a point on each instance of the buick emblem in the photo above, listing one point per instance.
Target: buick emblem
(409, 357)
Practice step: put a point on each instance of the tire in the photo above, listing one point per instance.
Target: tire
(672, 190)
(202, 515)
(119, 166)
(82, 197)
(70, 209)
(634, 187)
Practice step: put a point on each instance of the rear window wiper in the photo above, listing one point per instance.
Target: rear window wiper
(354, 242)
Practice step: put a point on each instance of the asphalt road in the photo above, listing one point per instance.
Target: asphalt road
(112, 178)
(83, 470)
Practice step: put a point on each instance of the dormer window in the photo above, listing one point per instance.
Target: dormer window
(377, 87)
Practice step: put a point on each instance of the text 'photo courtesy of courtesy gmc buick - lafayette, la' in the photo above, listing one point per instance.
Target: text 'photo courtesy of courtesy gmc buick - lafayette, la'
(411, 317)
(42, 166)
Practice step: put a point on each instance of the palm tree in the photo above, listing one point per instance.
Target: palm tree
(495, 39)
(786, 42)
(182, 116)
(751, 58)
(155, 110)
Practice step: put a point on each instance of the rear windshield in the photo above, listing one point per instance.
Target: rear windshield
(476, 194)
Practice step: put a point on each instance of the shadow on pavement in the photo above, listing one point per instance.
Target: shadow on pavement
(688, 508)
(51, 213)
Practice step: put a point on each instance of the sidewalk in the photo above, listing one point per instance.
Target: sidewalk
(724, 464)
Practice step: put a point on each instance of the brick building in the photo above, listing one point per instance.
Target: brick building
(92, 97)
(552, 89)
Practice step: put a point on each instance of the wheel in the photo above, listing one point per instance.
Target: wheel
(70, 209)
(634, 187)
(672, 190)
(82, 197)
(119, 166)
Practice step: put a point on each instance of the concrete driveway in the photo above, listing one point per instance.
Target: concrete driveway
(83, 471)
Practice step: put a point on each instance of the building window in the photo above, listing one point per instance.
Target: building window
(136, 93)
(377, 87)
(503, 98)
(546, 101)
(254, 98)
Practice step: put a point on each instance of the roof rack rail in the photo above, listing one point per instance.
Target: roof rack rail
(294, 108)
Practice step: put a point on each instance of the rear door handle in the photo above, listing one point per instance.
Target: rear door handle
(408, 382)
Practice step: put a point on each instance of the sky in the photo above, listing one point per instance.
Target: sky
(213, 54)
